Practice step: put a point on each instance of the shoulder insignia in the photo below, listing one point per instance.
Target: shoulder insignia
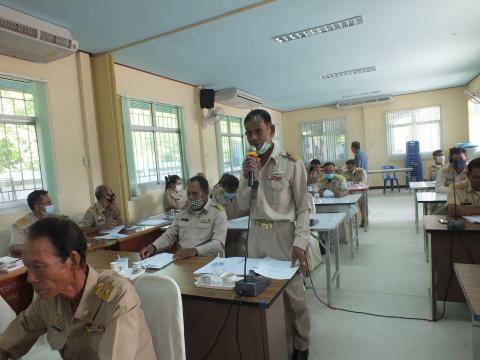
(104, 290)
(460, 185)
(22, 221)
(339, 177)
(111, 286)
(291, 156)
(219, 206)
(446, 170)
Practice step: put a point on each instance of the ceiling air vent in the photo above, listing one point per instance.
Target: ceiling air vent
(365, 101)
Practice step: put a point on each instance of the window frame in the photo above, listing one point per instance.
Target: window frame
(425, 154)
(129, 129)
(219, 136)
(341, 118)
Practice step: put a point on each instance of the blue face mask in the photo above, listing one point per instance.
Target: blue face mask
(264, 148)
(329, 176)
(459, 164)
(50, 209)
(230, 196)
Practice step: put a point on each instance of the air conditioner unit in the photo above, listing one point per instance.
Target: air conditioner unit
(28, 38)
(237, 98)
(365, 101)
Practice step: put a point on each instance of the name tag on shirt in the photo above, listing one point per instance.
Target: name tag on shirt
(206, 221)
(56, 327)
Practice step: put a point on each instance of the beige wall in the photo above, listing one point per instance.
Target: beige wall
(201, 145)
(367, 124)
(69, 109)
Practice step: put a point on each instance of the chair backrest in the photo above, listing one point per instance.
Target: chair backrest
(161, 302)
(311, 203)
(6, 315)
(386, 175)
(4, 242)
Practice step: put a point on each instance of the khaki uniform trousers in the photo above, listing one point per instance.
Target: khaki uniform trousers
(277, 242)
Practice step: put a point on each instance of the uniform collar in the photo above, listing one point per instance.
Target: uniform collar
(274, 154)
(99, 207)
(85, 306)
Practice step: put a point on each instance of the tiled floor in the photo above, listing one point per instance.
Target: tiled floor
(388, 276)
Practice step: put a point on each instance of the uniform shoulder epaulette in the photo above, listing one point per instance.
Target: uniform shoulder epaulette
(339, 177)
(291, 156)
(219, 206)
(22, 221)
(446, 169)
(110, 286)
(460, 185)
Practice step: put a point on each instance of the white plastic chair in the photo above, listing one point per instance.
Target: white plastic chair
(161, 301)
(6, 315)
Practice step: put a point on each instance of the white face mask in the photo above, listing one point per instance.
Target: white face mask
(50, 209)
(178, 188)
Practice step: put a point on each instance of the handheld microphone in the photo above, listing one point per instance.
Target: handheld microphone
(252, 152)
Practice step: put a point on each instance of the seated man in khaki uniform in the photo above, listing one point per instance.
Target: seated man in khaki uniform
(454, 172)
(467, 193)
(104, 214)
(331, 181)
(85, 315)
(198, 230)
(41, 206)
(225, 194)
(314, 172)
(439, 159)
(356, 175)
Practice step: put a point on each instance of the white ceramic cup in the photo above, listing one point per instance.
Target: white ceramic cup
(115, 266)
(228, 278)
(123, 264)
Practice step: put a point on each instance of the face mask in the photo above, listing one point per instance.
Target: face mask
(230, 196)
(440, 159)
(459, 164)
(50, 209)
(112, 198)
(178, 188)
(329, 176)
(196, 204)
(264, 148)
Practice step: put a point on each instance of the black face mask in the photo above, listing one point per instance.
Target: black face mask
(112, 198)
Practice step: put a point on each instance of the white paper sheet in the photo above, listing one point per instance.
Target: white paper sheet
(276, 269)
(473, 219)
(8, 263)
(113, 230)
(111, 236)
(153, 222)
(156, 262)
(328, 193)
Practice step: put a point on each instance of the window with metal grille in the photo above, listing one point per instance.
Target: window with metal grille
(20, 171)
(474, 122)
(324, 140)
(156, 141)
(230, 145)
(423, 125)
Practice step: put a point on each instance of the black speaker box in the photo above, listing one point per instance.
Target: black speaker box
(207, 98)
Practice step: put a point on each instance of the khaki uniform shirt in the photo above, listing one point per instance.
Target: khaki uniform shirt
(433, 171)
(445, 178)
(281, 194)
(96, 215)
(336, 185)
(173, 200)
(19, 229)
(313, 179)
(231, 206)
(464, 194)
(204, 230)
(108, 323)
(357, 178)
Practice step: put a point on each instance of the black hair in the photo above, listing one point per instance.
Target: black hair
(351, 162)
(170, 179)
(202, 181)
(437, 153)
(264, 115)
(455, 151)
(328, 163)
(356, 145)
(64, 235)
(34, 197)
(474, 164)
(315, 162)
(100, 191)
(230, 182)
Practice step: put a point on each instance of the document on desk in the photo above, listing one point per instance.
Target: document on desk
(268, 267)
(111, 236)
(156, 262)
(473, 219)
(9, 263)
(113, 230)
(153, 222)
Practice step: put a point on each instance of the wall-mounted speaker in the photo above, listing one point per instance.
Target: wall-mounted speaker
(207, 98)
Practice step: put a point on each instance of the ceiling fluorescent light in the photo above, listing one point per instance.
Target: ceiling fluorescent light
(356, 20)
(349, 72)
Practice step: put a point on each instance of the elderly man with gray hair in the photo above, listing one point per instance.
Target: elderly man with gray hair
(104, 214)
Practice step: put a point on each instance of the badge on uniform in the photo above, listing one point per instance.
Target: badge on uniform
(206, 221)
(56, 327)
(276, 175)
(94, 329)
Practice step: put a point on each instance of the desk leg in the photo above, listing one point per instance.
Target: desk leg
(365, 210)
(356, 231)
(433, 285)
(337, 256)
(416, 209)
(352, 238)
(476, 339)
(328, 268)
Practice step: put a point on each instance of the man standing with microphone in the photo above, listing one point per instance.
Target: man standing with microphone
(280, 214)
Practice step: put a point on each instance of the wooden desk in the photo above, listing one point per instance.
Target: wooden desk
(261, 320)
(469, 278)
(15, 290)
(441, 242)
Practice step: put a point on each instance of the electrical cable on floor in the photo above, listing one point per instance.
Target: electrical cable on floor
(359, 312)
(236, 330)
(450, 261)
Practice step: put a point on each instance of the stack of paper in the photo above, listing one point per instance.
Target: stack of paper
(8, 263)
(473, 219)
(156, 262)
(111, 236)
(113, 230)
(154, 222)
(268, 267)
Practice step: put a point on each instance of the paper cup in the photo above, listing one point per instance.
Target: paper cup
(228, 278)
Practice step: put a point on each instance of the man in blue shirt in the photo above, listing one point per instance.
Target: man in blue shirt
(360, 156)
